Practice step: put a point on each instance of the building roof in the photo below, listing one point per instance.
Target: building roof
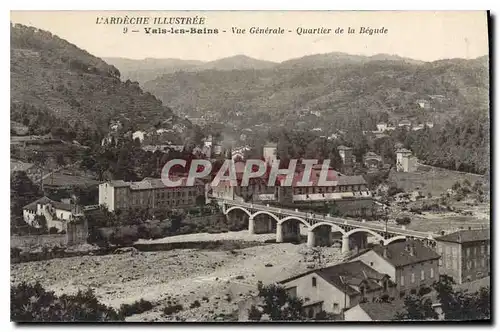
(349, 180)
(32, 205)
(382, 311)
(466, 235)
(403, 150)
(398, 254)
(346, 275)
(45, 200)
(118, 183)
(343, 147)
(271, 145)
(19, 166)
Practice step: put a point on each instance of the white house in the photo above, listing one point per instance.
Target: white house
(410, 264)
(335, 288)
(139, 134)
(57, 214)
(382, 126)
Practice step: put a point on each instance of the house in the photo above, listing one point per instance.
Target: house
(404, 123)
(149, 193)
(270, 151)
(372, 160)
(423, 104)
(410, 264)
(373, 311)
(335, 288)
(57, 214)
(465, 254)
(138, 134)
(382, 126)
(405, 161)
(345, 153)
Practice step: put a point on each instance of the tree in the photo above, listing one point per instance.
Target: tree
(458, 305)
(32, 303)
(417, 308)
(22, 192)
(278, 305)
(200, 200)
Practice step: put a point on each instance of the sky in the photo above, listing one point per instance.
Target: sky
(421, 35)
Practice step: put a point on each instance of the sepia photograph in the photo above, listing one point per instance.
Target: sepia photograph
(250, 166)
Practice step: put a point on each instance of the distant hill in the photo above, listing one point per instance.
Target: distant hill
(336, 59)
(336, 86)
(56, 84)
(237, 62)
(148, 69)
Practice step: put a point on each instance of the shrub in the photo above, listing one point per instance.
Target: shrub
(403, 221)
(53, 230)
(424, 290)
(32, 303)
(393, 190)
(254, 313)
(173, 309)
(135, 308)
(195, 304)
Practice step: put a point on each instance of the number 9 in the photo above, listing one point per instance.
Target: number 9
(125, 29)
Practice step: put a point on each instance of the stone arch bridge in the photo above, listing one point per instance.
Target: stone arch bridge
(284, 218)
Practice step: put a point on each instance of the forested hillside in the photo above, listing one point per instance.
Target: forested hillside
(374, 87)
(56, 84)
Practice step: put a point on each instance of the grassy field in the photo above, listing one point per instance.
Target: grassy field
(450, 221)
(430, 179)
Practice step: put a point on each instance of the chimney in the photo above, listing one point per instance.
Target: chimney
(407, 247)
(470, 228)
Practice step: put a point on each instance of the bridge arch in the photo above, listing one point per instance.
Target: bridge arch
(333, 226)
(394, 239)
(296, 218)
(364, 230)
(239, 208)
(266, 213)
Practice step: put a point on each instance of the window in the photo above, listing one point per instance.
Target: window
(432, 272)
(371, 263)
(335, 307)
(422, 275)
(402, 280)
(467, 252)
(469, 265)
(314, 281)
(482, 249)
(482, 262)
(413, 278)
